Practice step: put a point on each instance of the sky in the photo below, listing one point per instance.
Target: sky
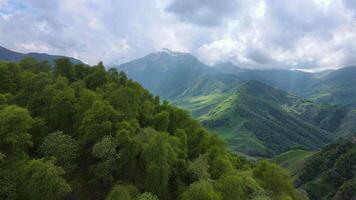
(289, 34)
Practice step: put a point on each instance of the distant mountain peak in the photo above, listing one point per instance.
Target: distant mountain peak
(9, 55)
(175, 54)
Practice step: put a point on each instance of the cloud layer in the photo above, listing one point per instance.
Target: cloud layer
(304, 34)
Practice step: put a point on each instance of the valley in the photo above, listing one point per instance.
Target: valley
(248, 108)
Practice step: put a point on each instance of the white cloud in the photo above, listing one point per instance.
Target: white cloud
(303, 34)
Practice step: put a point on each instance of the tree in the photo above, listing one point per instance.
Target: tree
(41, 179)
(122, 192)
(122, 78)
(159, 157)
(147, 196)
(126, 100)
(273, 179)
(7, 186)
(61, 111)
(63, 67)
(201, 190)
(100, 120)
(63, 147)
(97, 77)
(34, 66)
(238, 186)
(14, 125)
(9, 77)
(199, 168)
(105, 152)
(161, 121)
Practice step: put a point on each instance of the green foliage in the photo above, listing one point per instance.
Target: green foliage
(7, 186)
(161, 121)
(160, 157)
(146, 196)
(199, 168)
(122, 192)
(63, 67)
(14, 125)
(81, 132)
(41, 179)
(330, 172)
(100, 120)
(9, 77)
(105, 152)
(274, 179)
(201, 190)
(34, 66)
(239, 186)
(63, 147)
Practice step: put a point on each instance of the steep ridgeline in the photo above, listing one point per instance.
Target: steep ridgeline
(332, 86)
(331, 173)
(262, 121)
(84, 132)
(8, 55)
(166, 73)
(169, 74)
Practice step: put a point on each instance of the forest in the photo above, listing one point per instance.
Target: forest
(73, 131)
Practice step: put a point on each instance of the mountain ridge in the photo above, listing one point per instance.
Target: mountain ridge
(9, 55)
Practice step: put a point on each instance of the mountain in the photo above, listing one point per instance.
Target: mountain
(228, 68)
(331, 173)
(331, 86)
(169, 74)
(8, 55)
(296, 82)
(337, 87)
(252, 117)
(263, 121)
(166, 73)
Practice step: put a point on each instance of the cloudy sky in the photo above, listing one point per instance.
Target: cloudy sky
(303, 34)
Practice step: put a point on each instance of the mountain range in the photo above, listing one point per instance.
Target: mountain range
(257, 112)
(8, 55)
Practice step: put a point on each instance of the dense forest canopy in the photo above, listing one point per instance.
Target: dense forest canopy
(331, 173)
(74, 131)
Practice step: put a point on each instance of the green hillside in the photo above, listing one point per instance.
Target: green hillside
(252, 118)
(259, 120)
(293, 161)
(331, 173)
(74, 131)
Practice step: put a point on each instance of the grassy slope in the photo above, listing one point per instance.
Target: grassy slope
(216, 105)
(259, 120)
(293, 160)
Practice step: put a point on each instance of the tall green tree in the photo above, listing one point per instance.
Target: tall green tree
(14, 125)
(201, 190)
(41, 179)
(63, 147)
(159, 157)
(63, 67)
(100, 120)
(161, 121)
